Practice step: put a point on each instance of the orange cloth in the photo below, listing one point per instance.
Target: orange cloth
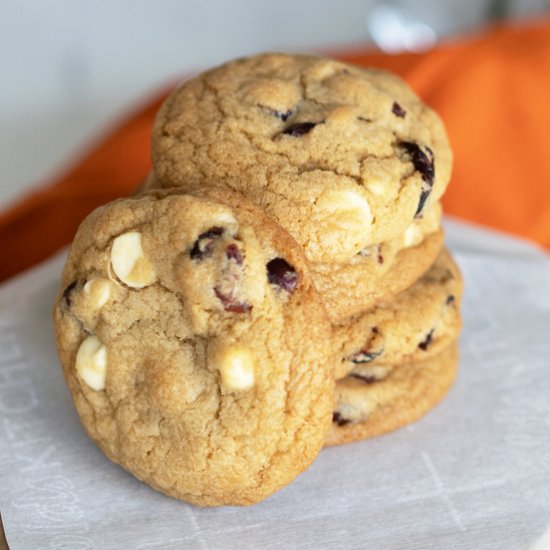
(492, 91)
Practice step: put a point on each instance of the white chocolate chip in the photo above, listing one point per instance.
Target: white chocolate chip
(412, 235)
(98, 291)
(236, 366)
(225, 218)
(129, 262)
(348, 207)
(91, 362)
(377, 188)
(345, 219)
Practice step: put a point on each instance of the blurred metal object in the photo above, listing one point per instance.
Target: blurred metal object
(395, 28)
(514, 9)
(416, 25)
(498, 9)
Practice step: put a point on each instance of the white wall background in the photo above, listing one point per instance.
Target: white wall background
(67, 67)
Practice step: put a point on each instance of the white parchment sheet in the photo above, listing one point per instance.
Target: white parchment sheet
(473, 474)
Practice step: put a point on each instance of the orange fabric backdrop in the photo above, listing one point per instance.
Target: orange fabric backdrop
(492, 90)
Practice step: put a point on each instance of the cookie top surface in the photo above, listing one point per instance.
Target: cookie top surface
(180, 327)
(415, 324)
(343, 157)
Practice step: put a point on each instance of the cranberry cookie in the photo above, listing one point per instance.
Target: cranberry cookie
(377, 272)
(409, 327)
(380, 271)
(366, 409)
(181, 325)
(343, 157)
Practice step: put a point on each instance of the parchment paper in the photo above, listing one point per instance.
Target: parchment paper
(473, 474)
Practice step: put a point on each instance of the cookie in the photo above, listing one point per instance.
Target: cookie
(350, 293)
(343, 157)
(380, 271)
(181, 326)
(415, 324)
(364, 410)
(377, 272)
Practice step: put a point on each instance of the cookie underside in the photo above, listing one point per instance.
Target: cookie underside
(412, 326)
(407, 394)
(353, 294)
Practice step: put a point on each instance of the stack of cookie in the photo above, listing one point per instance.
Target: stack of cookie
(279, 284)
(353, 165)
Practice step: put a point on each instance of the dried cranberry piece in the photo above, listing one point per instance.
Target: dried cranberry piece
(299, 129)
(373, 349)
(282, 274)
(424, 194)
(283, 115)
(397, 110)
(230, 304)
(203, 244)
(424, 164)
(365, 356)
(68, 291)
(338, 419)
(233, 252)
(427, 341)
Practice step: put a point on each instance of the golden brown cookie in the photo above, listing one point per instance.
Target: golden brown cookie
(412, 326)
(195, 345)
(351, 295)
(377, 272)
(380, 271)
(364, 410)
(343, 157)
